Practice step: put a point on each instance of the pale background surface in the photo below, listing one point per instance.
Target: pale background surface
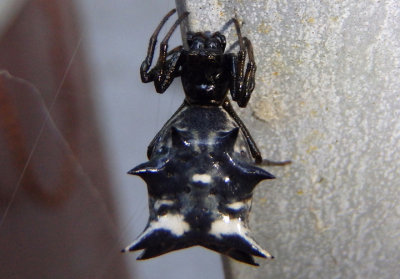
(327, 97)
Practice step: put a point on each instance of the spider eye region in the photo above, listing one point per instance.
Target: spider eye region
(197, 44)
(207, 44)
(213, 45)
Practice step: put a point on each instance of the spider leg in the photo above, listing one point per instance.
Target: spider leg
(249, 77)
(255, 152)
(174, 50)
(144, 68)
(267, 162)
(154, 141)
(166, 69)
(244, 81)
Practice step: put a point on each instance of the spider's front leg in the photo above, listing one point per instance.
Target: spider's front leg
(146, 64)
(167, 66)
(243, 82)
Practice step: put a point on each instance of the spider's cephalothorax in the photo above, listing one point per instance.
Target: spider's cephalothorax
(201, 171)
(205, 69)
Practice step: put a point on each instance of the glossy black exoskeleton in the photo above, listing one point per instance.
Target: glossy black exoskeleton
(201, 170)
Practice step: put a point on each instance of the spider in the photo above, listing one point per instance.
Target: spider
(201, 171)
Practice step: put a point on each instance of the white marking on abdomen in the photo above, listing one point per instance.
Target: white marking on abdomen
(235, 205)
(160, 203)
(172, 222)
(227, 226)
(202, 178)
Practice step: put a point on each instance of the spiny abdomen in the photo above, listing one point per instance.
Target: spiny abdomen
(200, 180)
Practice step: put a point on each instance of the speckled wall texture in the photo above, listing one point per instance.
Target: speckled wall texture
(327, 97)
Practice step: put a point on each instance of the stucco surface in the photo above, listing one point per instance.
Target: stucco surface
(327, 98)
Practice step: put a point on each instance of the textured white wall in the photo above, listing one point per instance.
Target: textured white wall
(327, 97)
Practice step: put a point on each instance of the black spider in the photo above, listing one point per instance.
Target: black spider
(201, 173)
